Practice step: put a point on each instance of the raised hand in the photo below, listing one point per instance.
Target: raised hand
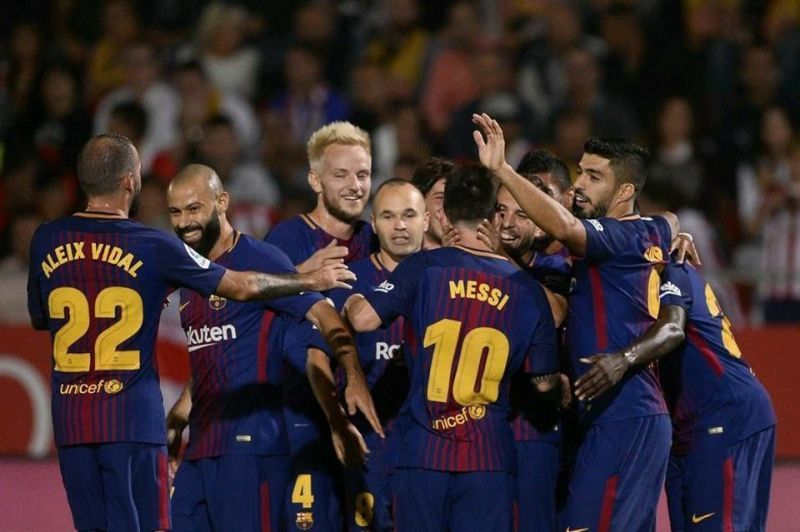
(330, 254)
(683, 246)
(490, 142)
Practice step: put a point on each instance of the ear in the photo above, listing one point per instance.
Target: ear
(426, 219)
(372, 222)
(626, 192)
(128, 183)
(313, 182)
(223, 202)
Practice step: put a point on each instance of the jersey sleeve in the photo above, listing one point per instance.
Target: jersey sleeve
(676, 287)
(338, 296)
(542, 357)
(268, 258)
(180, 265)
(397, 295)
(298, 337)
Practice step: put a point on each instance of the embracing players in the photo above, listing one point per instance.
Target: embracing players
(98, 282)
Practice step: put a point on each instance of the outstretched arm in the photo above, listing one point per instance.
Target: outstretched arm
(246, 286)
(663, 336)
(360, 314)
(552, 217)
(339, 337)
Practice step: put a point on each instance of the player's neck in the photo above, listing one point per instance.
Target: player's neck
(625, 209)
(106, 206)
(429, 242)
(389, 261)
(226, 240)
(330, 224)
(468, 238)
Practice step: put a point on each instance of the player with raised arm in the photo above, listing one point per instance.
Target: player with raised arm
(473, 320)
(340, 169)
(625, 434)
(98, 281)
(723, 422)
(537, 430)
(237, 462)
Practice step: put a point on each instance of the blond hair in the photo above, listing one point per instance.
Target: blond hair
(334, 133)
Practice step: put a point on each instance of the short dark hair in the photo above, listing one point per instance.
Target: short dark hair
(430, 171)
(133, 114)
(469, 194)
(541, 161)
(103, 162)
(627, 159)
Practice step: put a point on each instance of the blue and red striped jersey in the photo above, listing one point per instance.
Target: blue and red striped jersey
(237, 353)
(541, 422)
(614, 300)
(300, 237)
(99, 284)
(379, 351)
(473, 320)
(709, 388)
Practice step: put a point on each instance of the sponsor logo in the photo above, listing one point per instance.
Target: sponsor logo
(385, 287)
(654, 254)
(384, 351)
(669, 289)
(207, 336)
(111, 387)
(467, 413)
(698, 518)
(304, 521)
(198, 258)
(597, 225)
(216, 302)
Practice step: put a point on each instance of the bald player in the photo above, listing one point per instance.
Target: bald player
(97, 282)
(237, 461)
(399, 219)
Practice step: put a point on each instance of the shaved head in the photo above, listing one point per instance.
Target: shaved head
(198, 174)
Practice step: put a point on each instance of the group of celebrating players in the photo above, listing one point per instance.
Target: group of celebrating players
(496, 349)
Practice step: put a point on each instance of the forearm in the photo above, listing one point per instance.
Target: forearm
(323, 384)
(360, 314)
(183, 406)
(338, 336)
(552, 217)
(245, 286)
(666, 334)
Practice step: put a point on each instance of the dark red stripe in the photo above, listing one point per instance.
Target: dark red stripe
(727, 495)
(163, 493)
(607, 510)
(266, 525)
(263, 345)
(708, 354)
(599, 305)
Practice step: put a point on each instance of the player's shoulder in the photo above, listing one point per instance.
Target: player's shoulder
(258, 253)
(299, 223)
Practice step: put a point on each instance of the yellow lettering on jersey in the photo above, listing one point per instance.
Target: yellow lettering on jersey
(483, 292)
(63, 254)
(74, 251)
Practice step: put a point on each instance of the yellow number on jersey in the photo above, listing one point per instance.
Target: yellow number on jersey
(653, 286)
(443, 335)
(365, 508)
(716, 311)
(301, 494)
(107, 357)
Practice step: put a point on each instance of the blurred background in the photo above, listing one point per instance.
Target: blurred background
(712, 87)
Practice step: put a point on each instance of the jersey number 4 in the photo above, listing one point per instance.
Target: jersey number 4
(481, 363)
(107, 355)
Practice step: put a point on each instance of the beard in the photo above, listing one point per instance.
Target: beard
(598, 211)
(339, 213)
(540, 243)
(209, 234)
(133, 210)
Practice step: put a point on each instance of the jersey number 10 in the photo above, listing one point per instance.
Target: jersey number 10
(470, 384)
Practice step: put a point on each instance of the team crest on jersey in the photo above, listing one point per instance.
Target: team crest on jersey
(216, 302)
(304, 521)
(384, 287)
(669, 289)
(113, 386)
(654, 254)
(477, 411)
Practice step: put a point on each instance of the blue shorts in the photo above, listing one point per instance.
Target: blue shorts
(314, 493)
(432, 501)
(116, 486)
(368, 490)
(538, 466)
(618, 476)
(721, 487)
(231, 492)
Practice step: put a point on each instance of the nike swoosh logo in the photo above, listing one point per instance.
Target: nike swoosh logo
(577, 529)
(696, 519)
(201, 346)
(183, 306)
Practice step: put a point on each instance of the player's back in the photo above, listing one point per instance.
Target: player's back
(99, 285)
(707, 384)
(613, 301)
(473, 320)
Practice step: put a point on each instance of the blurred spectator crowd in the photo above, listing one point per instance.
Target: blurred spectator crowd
(712, 87)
